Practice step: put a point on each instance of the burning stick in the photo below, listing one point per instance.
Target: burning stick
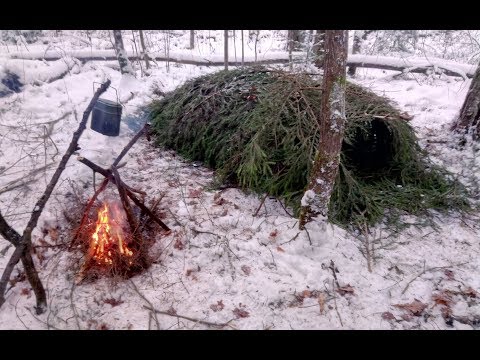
(108, 240)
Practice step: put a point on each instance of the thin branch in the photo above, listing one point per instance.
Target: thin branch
(335, 301)
(260, 206)
(9, 233)
(148, 302)
(428, 270)
(145, 129)
(208, 323)
(126, 205)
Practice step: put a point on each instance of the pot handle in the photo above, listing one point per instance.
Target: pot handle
(118, 99)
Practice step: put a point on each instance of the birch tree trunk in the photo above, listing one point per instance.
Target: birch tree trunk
(144, 49)
(332, 124)
(468, 120)
(125, 66)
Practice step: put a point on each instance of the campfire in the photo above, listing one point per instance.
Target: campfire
(114, 242)
(108, 239)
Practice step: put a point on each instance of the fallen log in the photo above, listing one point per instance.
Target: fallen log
(414, 64)
(109, 55)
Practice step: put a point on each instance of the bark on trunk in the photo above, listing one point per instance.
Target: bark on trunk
(295, 39)
(225, 52)
(332, 123)
(318, 48)
(357, 45)
(144, 49)
(192, 39)
(467, 122)
(125, 66)
(243, 50)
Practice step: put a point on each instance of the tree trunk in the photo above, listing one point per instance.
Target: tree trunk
(290, 45)
(125, 66)
(225, 53)
(357, 45)
(192, 39)
(318, 48)
(467, 122)
(243, 50)
(144, 49)
(296, 38)
(332, 124)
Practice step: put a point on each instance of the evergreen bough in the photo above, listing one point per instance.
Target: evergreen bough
(258, 128)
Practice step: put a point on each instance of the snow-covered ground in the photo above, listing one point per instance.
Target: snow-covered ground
(220, 263)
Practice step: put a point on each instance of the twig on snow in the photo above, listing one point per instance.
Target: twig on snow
(204, 322)
(435, 268)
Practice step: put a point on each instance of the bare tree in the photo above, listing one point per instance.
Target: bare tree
(257, 37)
(295, 39)
(359, 36)
(331, 122)
(468, 120)
(225, 37)
(357, 44)
(125, 66)
(290, 45)
(192, 39)
(318, 48)
(144, 49)
(243, 50)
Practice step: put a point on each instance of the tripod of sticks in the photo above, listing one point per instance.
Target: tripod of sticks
(125, 193)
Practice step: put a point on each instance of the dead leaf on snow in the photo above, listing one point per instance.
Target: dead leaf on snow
(218, 306)
(25, 292)
(406, 317)
(449, 274)
(415, 308)
(219, 201)
(388, 316)
(239, 313)
(321, 302)
(53, 232)
(113, 302)
(347, 289)
(172, 311)
(442, 298)
(446, 312)
(178, 244)
(306, 293)
(470, 292)
(194, 193)
(274, 233)
(246, 269)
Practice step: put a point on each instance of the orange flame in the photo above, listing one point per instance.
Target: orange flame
(108, 236)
